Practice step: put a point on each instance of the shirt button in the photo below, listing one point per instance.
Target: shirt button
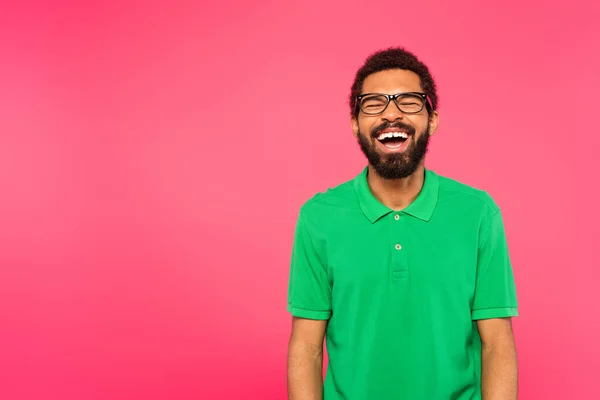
(396, 217)
(398, 247)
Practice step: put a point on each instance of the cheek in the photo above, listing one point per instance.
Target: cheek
(365, 126)
(419, 125)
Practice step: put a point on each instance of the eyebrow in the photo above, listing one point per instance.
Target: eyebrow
(391, 94)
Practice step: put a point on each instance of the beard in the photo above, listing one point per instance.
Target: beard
(395, 166)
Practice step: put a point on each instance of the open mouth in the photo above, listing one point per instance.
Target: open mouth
(394, 141)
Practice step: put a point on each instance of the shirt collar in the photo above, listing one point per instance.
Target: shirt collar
(422, 207)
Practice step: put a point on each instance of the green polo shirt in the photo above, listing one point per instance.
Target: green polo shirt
(402, 290)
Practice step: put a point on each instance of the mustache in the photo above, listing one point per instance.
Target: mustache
(398, 125)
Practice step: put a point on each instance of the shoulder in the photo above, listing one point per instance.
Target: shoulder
(461, 195)
(326, 205)
(338, 196)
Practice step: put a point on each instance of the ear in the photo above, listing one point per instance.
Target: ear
(434, 121)
(354, 124)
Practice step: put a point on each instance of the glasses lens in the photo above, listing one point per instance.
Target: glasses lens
(373, 104)
(410, 103)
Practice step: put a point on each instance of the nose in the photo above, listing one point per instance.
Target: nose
(391, 112)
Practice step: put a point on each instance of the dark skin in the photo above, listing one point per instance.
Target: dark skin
(395, 193)
(305, 359)
(305, 350)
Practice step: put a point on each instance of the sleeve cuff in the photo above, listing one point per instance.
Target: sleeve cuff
(308, 314)
(488, 313)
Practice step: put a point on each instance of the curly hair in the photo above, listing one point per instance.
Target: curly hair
(393, 58)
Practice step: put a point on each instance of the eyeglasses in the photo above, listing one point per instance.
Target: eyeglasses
(408, 103)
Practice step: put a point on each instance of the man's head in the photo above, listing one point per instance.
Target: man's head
(393, 131)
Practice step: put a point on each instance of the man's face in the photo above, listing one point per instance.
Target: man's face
(394, 142)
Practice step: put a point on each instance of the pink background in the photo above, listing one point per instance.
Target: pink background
(153, 159)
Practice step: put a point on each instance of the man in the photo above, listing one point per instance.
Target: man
(405, 272)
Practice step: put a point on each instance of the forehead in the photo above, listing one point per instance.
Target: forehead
(392, 81)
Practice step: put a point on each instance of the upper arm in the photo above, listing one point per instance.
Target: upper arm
(309, 333)
(495, 332)
(495, 292)
(309, 289)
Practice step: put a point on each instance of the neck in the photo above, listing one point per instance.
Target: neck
(396, 194)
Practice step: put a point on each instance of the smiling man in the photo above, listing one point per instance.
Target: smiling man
(404, 272)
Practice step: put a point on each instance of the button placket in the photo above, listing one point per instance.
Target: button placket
(399, 267)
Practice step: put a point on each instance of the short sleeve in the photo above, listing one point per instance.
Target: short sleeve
(495, 292)
(309, 289)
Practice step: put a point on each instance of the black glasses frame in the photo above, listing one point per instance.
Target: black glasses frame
(389, 97)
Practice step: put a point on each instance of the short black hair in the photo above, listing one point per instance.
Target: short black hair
(393, 58)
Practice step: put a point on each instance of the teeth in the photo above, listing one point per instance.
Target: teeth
(392, 134)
